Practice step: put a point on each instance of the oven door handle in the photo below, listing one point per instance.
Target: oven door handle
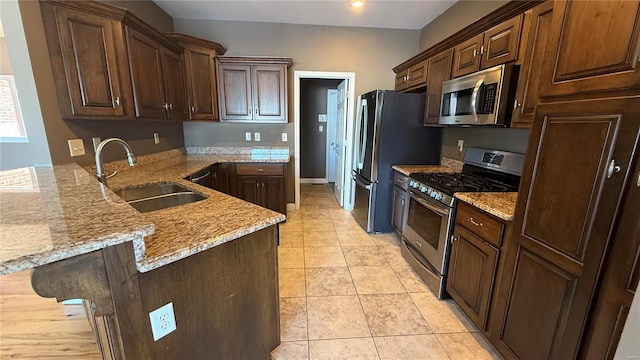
(434, 208)
(474, 99)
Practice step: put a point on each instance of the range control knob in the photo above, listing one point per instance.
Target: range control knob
(423, 188)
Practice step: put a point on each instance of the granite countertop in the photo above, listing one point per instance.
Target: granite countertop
(499, 204)
(447, 165)
(66, 212)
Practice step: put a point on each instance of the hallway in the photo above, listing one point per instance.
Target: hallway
(345, 294)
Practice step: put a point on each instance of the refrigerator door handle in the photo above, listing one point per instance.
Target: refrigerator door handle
(360, 183)
(365, 122)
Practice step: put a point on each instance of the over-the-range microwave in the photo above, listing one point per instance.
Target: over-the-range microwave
(481, 98)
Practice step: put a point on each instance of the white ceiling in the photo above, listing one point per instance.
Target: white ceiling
(393, 14)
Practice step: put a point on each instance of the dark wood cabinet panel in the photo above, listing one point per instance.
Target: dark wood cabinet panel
(619, 279)
(249, 188)
(273, 193)
(472, 268)
(501, 43)
(174, 85)
(234, 83)
(401, 80)
(398, 211)
(480, 223)
(439, 71)
(467, 56)
(221, 178)
(593, 46)
(418, 74)
(528, 92)
(146, 75)
(203, 98)
(269, 92)
(86, 49)
(564, 227)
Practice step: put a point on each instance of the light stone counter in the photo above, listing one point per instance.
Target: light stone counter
(71, 213)
(447, 166)
(500, 204)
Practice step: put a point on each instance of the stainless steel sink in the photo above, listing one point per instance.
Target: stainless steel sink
(159, 196)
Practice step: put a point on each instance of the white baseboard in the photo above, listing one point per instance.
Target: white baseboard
(291, 206)
(313, 181)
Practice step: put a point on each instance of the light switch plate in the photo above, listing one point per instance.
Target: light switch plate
(460, 145)
(156, 138)
(247, 136)
(284, 137)
(322, 117)
(163, 321)
(76, 147)
(256, 136)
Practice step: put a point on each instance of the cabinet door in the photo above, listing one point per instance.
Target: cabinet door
(221, 178)
(234, 83)
(91, 74)
(401, 80)
(572, 190)
(398, 212)
(201, 80)
(418, 74)
(501, 43)
(249, 189)
(528, 91)
(174, 86)
(467, 56)
(439, 71)
(268, 92)
(146, 75)
(472, 268)
(273, 193)
(593, 46)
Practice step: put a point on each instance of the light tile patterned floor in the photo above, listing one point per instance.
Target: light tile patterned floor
(345, 294)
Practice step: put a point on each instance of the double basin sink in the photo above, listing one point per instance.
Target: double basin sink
(159, 196)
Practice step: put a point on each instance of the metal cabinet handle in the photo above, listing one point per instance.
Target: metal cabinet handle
(418, 243)
(400, 181)
(117, 101)
(475, 222)
(193, 109)
(257, 185)
(453, 238)
(166, 106)
(256, 109)
(613, 168)
(475, 53)
(170, 106)
(200, 177)
(402, 202)
(638, 180)
(516, 104)
(260, 170)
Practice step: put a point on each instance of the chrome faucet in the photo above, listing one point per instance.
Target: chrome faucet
(99, 166)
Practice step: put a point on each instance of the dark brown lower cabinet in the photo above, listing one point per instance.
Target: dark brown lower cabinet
(472, 269)
(221, 178)
(262, 184)
(578, 164)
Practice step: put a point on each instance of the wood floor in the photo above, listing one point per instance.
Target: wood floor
(32, 327)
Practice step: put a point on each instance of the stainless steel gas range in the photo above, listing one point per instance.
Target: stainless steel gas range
(432, 206)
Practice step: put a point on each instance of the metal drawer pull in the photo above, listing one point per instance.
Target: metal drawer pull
(117, 100)
(400, 180)
(475, 223)
(638, 180)
(260, 170)
(612, 168)
(418, 243)
(402, 202)
(200, 177)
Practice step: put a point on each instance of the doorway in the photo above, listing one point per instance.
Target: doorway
(344, 120)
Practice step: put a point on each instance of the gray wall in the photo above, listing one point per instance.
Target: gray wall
(455, 18)
(148, 11)
(313, 150)
(370, 53)
(460, 15)
(139, 134)
(5, 63)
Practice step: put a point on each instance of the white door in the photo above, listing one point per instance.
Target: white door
(341, 141)
(332, 114)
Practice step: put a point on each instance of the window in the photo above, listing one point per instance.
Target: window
(11, 124)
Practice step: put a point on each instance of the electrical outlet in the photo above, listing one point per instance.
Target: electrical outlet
(96, 141)
(156, 138)
(247, 136)
(163, 321)
(320, 128)
(284, 137)
(460, 145)
(256, 136)
(76, 147)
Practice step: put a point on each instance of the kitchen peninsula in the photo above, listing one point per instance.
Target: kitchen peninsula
(215, 260)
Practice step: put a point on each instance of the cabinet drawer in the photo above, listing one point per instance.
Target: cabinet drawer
(480, 223)
(400, 180)
(259, 169)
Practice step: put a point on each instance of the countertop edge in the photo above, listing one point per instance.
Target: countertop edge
(482, 204)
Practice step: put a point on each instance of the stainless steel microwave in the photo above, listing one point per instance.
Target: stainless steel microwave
(481, 98)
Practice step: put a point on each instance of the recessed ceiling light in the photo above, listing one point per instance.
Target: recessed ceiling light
(357, 3)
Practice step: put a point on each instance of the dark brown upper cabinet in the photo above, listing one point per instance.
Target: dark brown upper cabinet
(200, 69)
(253, 89)
(413, 77)
(593, 46)
(528, 91)
(157, 78)
(562, 229)
(89, 64)
(498, 45)
(439, 70)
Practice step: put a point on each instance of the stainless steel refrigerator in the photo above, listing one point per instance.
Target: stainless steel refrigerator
(389, 131)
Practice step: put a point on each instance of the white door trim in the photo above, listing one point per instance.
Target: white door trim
(351, 76)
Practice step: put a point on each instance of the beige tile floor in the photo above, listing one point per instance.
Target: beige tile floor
(345, 294)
